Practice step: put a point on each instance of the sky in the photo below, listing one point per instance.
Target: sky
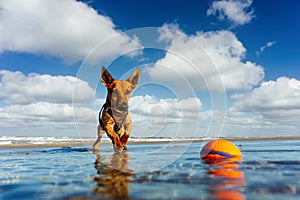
(217, 68)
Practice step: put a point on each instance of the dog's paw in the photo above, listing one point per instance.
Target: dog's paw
(118, 149)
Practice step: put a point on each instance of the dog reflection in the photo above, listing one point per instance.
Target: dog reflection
(114, 176)
(229, 177)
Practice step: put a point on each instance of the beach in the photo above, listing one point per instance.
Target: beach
(270, 169)
(18, 141)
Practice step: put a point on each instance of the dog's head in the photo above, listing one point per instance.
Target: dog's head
(119, 91)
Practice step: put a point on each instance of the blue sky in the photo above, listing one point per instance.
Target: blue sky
(209, 68)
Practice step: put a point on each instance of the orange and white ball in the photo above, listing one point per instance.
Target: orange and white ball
(220, 149)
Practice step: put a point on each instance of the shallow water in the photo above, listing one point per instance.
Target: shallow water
(269, 170)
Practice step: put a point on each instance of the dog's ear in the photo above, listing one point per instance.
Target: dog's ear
(134, 78)
(106, 77)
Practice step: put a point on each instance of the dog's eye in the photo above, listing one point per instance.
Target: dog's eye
(127, 92)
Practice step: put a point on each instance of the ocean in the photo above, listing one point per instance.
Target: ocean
(46, 140)
(163, 169)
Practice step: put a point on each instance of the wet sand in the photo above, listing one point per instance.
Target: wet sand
(77, 143)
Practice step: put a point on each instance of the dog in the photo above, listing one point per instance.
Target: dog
(114, 118)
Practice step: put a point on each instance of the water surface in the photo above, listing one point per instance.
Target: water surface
(269, 170)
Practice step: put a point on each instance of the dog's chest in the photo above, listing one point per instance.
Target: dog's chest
(119, 119)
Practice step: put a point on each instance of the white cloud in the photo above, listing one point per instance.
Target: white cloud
(170, 110)
(17, 88)
(282, 94)
(262, 49)
(236, 11)
(207, 60)
(37, 104)
(273, 108)
(66, 29)
(42, 115)
(164, 117)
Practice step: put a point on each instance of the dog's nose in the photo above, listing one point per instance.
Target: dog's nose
(123, 106)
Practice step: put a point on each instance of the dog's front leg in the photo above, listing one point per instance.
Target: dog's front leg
(113, 136)
(109, 125)
(97, 142)
(125, 136)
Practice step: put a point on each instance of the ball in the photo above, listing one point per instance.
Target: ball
(220, 149)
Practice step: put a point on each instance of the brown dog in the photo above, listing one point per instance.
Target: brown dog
(114, 118)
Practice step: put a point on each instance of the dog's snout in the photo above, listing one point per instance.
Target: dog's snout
(123, 106)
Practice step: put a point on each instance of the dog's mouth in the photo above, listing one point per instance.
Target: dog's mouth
(122, 107)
